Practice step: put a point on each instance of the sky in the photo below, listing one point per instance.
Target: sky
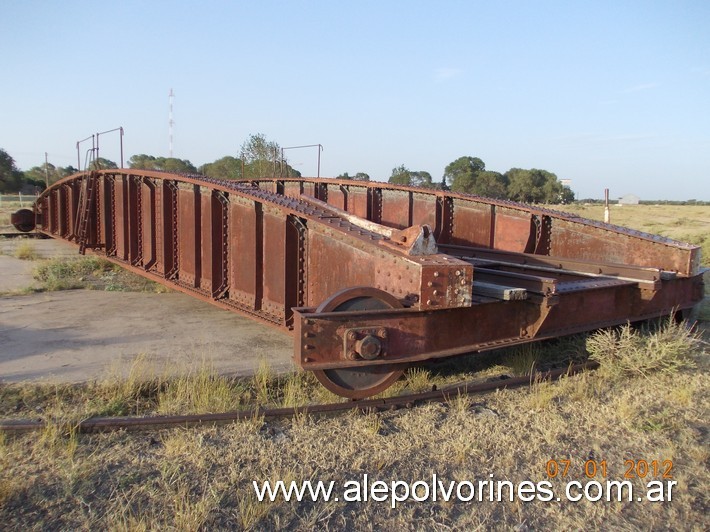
(607, 94)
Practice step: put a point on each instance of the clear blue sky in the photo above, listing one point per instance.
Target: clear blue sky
(608, 93)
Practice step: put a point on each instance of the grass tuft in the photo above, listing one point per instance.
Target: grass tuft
(262, 383)
(626, 351)
(296, 389)
(523, 359)
(26, 251)
(200, 392)
(91, 272)
(418, 380)
(250, 512)
(190, 511)
(460, 404)
(63, 274)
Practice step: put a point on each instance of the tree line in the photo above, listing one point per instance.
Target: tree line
(261, 158)
(258, 158)
(469, 175)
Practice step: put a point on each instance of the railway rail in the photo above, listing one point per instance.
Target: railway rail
(144, 423)
(368, 277)
(23, 235)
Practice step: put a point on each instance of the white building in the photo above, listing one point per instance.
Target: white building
(629, 199)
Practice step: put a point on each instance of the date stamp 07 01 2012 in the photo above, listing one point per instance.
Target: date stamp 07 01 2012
(598, 468)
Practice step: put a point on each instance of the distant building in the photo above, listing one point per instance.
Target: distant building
(629, 199)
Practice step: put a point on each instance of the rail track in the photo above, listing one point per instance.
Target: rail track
(23, 235)
(146, 423)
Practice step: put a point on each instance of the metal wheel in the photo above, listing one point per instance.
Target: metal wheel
(23, 220)
(362, 381)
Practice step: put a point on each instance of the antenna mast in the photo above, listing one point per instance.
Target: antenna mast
(170, 121)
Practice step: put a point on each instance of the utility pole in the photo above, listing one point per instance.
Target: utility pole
(170, 121)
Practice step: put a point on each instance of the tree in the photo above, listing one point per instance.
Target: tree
(47, 172)
(421, 179)
(360, 176)
(401, 175)
(142, 162)
(555, 192)
(491, 185)
(461, 174)
(161, 164)
(260, 157)
(102, 164)
(10, 176)
(40, 175)
(176, 166)
(225, 168)
(67, 171)
(536, 186)
(566, 196)
(522, 186)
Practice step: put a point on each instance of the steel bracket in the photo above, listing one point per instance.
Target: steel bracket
(366, 343)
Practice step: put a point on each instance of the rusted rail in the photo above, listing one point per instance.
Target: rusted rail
(107, 424)
(370, 277)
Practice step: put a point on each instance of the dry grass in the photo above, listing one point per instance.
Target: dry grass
(91, 272)
(627, 351)
(201, 478)
(651, 401)
(200, 391)
(26, 251)
(687, 223)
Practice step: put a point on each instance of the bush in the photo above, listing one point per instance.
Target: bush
(61, 274)
(626, 351)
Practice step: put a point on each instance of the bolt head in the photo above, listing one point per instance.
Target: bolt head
(369, 347)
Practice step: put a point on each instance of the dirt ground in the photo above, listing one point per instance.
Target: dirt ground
(81, 335)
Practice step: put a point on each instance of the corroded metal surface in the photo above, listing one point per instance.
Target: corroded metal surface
(469, 273)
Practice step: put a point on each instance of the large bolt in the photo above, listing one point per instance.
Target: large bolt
(369, 347)
(351, 355)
